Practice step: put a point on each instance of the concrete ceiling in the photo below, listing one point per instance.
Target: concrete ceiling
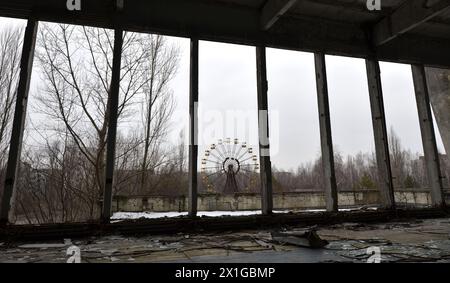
(405, 31)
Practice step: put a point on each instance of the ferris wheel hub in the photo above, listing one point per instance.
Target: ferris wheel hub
(231, 165)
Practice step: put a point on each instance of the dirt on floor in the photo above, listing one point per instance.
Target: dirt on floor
(412, 241)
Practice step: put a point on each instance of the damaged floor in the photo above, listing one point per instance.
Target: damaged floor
(411, 241)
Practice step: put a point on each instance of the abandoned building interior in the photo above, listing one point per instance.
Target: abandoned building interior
(222, 200)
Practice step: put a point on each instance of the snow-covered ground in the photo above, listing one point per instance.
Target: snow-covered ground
(155, 215)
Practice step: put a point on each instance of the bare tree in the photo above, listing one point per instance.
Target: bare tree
(10, 46)
(158, 104)
(359, 172)
(398, 158)
(76, 66)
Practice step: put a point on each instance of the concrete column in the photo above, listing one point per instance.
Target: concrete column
(193, 129)
(428, 135)
(331, 195)
(380, 133)
(26, 66)
(264, 144)
(439, 88)
(112, 126)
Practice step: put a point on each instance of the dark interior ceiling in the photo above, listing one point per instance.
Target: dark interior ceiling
(404, 31)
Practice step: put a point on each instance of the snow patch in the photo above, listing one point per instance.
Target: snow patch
(118, 216)
(156, 215)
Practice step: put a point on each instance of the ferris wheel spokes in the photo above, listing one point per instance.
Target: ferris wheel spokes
(226, 166)
(214, 147)
(206, 168)
(205, 161)
(213, 155)
(236, 142)
(254, 158)
(249, 151)
(223, 147)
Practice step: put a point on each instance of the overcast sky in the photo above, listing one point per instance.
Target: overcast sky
(228, 91)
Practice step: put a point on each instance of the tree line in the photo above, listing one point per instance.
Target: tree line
(360, 172)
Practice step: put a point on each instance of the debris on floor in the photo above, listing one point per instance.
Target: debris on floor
(42, 246)
(308, 239)
(416, 241)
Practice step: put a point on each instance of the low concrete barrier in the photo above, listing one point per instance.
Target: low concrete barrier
(248, 201)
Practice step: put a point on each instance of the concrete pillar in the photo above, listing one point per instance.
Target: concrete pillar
(264, 144)
(112, 126)
(439, 87)
(26, 66)
(380, 133)
(428, 135)
(193, 129)
(331, 195)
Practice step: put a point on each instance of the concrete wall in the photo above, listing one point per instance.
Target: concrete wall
(286, 201)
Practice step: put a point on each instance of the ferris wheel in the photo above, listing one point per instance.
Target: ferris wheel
(230, 167)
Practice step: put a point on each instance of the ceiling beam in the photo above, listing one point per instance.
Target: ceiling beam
(408, 16)
(273, 10)
(213, 21)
